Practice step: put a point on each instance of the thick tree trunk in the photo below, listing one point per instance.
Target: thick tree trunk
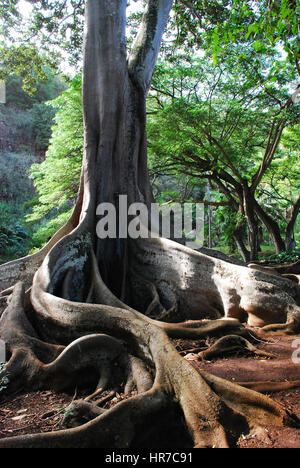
(114, 103)
(75, 318)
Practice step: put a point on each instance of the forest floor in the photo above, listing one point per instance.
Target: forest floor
(42, 411)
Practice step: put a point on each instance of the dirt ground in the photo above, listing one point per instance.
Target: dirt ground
(243, 368)
(43, 411)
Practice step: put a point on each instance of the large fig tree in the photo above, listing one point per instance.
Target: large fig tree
(104, 311)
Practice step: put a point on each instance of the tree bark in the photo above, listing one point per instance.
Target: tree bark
(290, 243)
(113, 306)
(114, 103)
(271, 226)
(239, 240)
(252, 222)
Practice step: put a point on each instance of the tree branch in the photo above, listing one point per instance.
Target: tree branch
(141, 61)
(269, 153)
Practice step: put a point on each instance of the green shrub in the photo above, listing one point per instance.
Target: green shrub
(14, 237)
(284, 257)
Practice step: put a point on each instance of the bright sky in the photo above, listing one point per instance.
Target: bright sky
(25, 7)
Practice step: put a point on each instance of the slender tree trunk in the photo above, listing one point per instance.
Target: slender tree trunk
(239, 240)
(290, 243)
(251, 221)
(209, 218)
(271, 226)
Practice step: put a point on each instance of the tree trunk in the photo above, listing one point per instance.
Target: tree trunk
(239, 239)
(115, 136)
(290, 243)
(271, 226)
(107, 309)
(252, 222)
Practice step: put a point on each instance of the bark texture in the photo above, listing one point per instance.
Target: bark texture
(104, 312)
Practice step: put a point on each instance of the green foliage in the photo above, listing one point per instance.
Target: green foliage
(262, 26)
(24, 129)
(16, 96)
(195, 20)
(224, 226)
(26, 120)
(283, 257)
(43, 231)
(42, 121)
(57, 178)
(14, 185)
(214, 122)
(9, 16)
(268, 22)
(14, 238)
(46, 90)
(56, 27)
(26, 62)
(281, 183)
(202, 116)
(205, 116)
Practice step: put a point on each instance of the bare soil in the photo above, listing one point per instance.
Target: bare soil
(43, 411)
(249, 368)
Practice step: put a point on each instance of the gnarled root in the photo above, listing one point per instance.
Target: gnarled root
(35, 364)
(292, 327)
(229, 344)
(116, 428)
(216, 412)
(269, 386)
(80, 412)
(24, 269)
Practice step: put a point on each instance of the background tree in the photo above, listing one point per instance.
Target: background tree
(25, 129)
(208, 122)
(82, 286)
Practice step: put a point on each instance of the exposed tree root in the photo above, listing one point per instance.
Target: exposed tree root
(294, 278)
(216, 412)
(102, 312)
(104, 399)
(116, 428)
(98, 330)
(291, 272)
(208, 288)
(80, 412)
(270, 387)
(87, 292)
(289, 328)
(293, 268)
(229, 344)
(25, 268)
(27, 366)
